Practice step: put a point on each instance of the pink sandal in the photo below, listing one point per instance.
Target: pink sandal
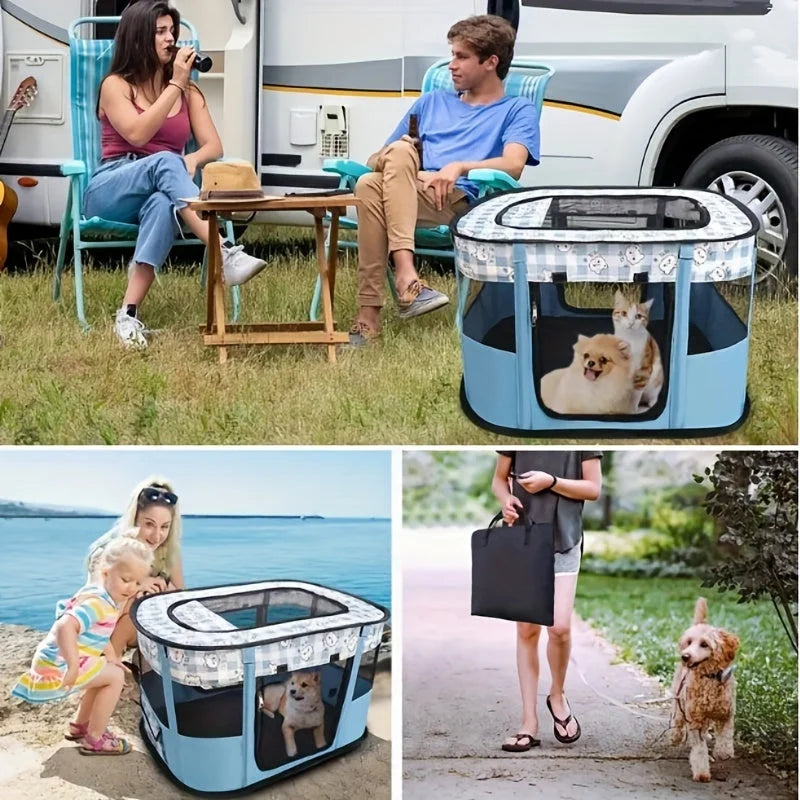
(76, 732)
(106, 745)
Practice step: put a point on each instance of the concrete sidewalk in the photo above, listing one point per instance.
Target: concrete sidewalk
(461, 699)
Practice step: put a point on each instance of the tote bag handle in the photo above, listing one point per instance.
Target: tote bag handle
(528, 523)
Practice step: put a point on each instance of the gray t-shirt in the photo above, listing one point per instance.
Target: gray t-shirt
(546, 506)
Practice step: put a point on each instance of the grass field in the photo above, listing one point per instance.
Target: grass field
(61, 386)
(645, 618)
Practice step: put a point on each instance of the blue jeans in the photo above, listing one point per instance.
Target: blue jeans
(146, 192)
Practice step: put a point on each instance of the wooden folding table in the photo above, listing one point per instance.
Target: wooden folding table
(217, 334)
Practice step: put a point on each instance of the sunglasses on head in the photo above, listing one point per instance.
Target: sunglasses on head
(157, 494)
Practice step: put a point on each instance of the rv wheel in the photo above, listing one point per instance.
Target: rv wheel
(760, 172)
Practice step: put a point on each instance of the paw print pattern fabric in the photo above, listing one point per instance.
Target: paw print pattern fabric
(607, 235)
(201, 635)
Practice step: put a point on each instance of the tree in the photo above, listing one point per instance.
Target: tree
(754, 501)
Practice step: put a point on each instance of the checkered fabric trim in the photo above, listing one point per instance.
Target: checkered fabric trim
(211, 669)
(605, 255)
(298, 644)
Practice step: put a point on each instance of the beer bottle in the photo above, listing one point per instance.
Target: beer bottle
(413, 132)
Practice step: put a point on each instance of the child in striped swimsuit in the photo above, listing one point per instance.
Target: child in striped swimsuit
(77, 656)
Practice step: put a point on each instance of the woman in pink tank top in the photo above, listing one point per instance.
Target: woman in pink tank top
(149, 109)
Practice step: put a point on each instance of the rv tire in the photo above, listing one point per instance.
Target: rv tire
(734, 167)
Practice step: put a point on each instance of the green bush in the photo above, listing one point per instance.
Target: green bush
(679, 513)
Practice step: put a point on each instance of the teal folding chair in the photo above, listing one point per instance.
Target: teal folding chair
(90, 60)
(524, 79)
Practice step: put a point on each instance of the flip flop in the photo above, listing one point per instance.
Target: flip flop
(563, 723)
(521, 748)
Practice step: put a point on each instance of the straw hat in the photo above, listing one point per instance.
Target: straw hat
(230, 180)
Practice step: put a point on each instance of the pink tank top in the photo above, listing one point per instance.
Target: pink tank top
(171, 136)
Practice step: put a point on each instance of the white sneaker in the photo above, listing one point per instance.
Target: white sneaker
(129, 330)
(238, 267)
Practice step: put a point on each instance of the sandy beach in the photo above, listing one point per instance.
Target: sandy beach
(36, 761)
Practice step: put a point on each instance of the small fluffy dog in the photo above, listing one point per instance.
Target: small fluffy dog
(598, 381)
(299, 701)
(704, 692)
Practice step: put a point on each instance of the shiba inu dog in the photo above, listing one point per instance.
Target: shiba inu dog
(299, 702)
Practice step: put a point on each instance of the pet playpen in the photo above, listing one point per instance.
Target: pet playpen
(535, 267)
(207, 656)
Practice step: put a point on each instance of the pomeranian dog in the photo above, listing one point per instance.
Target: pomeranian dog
(299, 702)
(704, 692)
(598, 381)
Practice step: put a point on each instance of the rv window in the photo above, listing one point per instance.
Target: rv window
(108, 8)
(677, 7)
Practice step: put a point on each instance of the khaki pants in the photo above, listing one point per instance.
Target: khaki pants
(393, 203)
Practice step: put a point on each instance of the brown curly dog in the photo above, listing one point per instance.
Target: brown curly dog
(704, 692)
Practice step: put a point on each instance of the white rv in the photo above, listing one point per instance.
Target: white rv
(664, 92)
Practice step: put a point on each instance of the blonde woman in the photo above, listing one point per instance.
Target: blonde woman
(154, 510)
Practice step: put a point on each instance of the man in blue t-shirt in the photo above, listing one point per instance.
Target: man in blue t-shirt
(475, 127)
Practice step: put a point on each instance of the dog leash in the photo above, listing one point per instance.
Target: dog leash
(614, 702)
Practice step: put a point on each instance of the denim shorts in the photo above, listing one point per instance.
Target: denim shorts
(568, 562)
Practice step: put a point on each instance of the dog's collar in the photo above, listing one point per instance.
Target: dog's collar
(723, 675)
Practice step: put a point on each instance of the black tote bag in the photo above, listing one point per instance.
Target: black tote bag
(513, 576)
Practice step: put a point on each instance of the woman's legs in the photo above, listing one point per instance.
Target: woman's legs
(100, 699)
(528, 671)
(559, 643)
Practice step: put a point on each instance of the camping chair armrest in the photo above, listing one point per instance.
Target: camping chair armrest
(343, 166)
(73, 167)
(350, 171)
(492, 180)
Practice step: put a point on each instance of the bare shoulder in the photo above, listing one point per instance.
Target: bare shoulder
(115, 87)
(195, 96)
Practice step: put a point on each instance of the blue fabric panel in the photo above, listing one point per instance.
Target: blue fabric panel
(353, 718)
(676, 402)
(490, 380)
(716, 384)
(210, 765)
(522, 327)
(351, 726)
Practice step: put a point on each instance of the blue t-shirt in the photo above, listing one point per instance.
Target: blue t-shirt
(452, 130)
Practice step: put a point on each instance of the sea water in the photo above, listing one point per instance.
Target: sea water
(42, 559)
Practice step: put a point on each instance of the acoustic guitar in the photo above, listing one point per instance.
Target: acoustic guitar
(23, 97)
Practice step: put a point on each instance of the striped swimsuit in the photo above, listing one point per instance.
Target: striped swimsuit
(96, 614)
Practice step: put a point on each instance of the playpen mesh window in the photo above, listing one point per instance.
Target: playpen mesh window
(299, 710)
(634, 212)
(199, 713)
(597, 350)
(366, 673)
(560, 313)
(269, 607)
(718, 314)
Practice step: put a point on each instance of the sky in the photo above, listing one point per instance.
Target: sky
(331, 483)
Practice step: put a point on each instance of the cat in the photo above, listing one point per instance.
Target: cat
(630, 324)
(598, 381)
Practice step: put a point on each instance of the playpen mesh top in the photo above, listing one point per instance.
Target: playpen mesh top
(288, 624)
(614, 235)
